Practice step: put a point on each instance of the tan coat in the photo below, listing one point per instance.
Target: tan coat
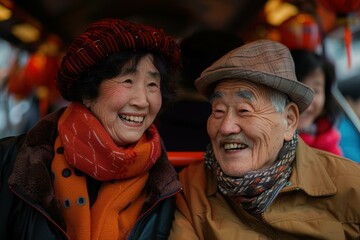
(320, 201)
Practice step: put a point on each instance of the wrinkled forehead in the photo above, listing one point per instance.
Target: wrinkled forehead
(239, 88)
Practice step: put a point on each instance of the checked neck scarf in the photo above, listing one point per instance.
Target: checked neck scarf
(256, 189)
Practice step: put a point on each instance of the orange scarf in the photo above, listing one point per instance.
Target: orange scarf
(89, 148)
(119, 203)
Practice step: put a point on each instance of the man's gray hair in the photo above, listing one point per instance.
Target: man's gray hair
(278, 99)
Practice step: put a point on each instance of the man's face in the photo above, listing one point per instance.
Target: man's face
(246, 131)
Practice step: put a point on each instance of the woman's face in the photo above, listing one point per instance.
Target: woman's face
(316, 80)
(128, 103)
(246, 131)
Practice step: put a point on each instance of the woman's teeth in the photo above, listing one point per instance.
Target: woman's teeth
(136, 119)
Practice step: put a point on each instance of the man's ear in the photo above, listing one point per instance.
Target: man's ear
(292, 119)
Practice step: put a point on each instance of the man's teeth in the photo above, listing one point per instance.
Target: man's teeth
(136, 119)
(230, 146)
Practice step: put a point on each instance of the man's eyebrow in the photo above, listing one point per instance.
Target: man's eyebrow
(216, 94)
(241, 93)
(245, 94)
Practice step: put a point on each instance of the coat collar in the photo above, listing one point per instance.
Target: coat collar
(309, 173)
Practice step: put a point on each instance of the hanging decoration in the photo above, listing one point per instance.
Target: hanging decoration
(16, 84)
(343, 9)
(341, 6)
(37, 74)
(300, 32)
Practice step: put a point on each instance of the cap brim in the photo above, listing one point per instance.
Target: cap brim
(298, 92)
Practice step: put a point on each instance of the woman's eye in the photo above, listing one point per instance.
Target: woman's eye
(243, 110)
(153, 86)
(217, 113)
(127, 82)
(318, 91)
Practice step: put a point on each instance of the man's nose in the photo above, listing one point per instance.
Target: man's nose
(230, 124)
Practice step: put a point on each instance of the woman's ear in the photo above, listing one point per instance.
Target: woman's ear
(292, 119)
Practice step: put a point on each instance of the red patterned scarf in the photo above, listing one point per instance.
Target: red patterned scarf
(89, 148)
(255, 190)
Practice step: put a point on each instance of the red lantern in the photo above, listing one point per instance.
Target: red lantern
(341, 6)
(300, 32)
(40, 69)
(327, 19)
(17, 85)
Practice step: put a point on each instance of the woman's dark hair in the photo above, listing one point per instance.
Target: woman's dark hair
(88, 87)
(350, 88)
(305, 63)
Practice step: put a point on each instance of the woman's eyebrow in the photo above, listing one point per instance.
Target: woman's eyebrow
(154, 74)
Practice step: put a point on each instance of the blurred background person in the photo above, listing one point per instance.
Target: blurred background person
(317, 124)
(350, 135)
(183, 125)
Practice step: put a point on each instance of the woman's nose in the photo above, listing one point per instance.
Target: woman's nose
(139, 97)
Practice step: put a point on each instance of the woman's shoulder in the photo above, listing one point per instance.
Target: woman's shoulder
(9, 148)
(10, 144)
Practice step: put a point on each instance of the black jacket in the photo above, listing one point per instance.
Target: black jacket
(28, 207)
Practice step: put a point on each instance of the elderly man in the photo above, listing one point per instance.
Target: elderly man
(259, 180)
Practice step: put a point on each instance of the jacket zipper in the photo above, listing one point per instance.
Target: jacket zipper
(270, 228)
(274, 195)
(277, 192)
(147, 212)
(41, 211)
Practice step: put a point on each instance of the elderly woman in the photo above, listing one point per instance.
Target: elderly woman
(259, 180)
(97, 169)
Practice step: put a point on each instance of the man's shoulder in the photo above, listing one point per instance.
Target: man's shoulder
(195, 168)
(317, 158)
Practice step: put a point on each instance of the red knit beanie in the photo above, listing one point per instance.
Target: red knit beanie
(106, 37)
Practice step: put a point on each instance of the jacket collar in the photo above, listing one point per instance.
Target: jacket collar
(33, 161)
(308, 174)
(30, 178)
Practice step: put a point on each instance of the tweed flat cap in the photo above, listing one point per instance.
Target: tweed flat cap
(263, 61)
(106, 37)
